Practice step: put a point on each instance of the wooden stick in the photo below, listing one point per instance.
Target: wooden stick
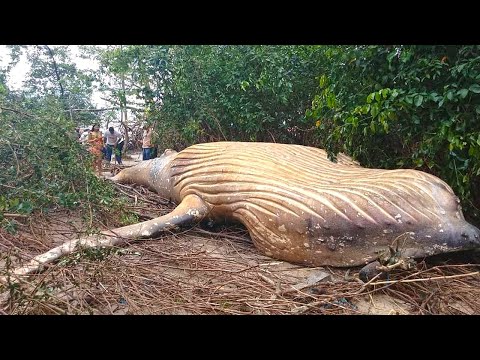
(14, 215)
(423, 279)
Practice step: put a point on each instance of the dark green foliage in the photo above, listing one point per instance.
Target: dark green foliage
(405, 106)
(243, 93)
(44, 167)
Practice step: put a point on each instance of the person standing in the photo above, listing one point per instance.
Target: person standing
(147, 142)
(95, 140)
(112, 138)
(84, 136)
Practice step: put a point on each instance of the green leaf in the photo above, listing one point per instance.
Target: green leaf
(331, 101)
(244, 84)
(460, 68)
(475, 88)
(418, 100)
(323, 80)
(463, 93)
(391, 56)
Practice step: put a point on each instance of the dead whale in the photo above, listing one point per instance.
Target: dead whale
(297, 205)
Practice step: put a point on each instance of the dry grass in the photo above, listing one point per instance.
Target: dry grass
(212, 271)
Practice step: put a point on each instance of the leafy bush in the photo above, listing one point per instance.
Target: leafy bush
(405, 106)
(242, 93)
(44, 166)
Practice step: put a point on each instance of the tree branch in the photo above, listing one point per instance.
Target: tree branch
(55, 67)
(95, 110)
(117, 103)
(16, 111)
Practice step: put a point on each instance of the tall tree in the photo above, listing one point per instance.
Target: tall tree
(53, 74)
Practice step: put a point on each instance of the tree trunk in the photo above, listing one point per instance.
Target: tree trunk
(59, 80)
(123, 117)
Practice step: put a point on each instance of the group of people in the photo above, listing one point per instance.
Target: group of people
(104, 146)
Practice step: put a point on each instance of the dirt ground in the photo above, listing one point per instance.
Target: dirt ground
(210, 269)
(129, 159)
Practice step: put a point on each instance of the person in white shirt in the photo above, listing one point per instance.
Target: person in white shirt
(84, 136)
(112, 138)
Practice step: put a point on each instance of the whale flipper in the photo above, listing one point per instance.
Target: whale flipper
(191, 209)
